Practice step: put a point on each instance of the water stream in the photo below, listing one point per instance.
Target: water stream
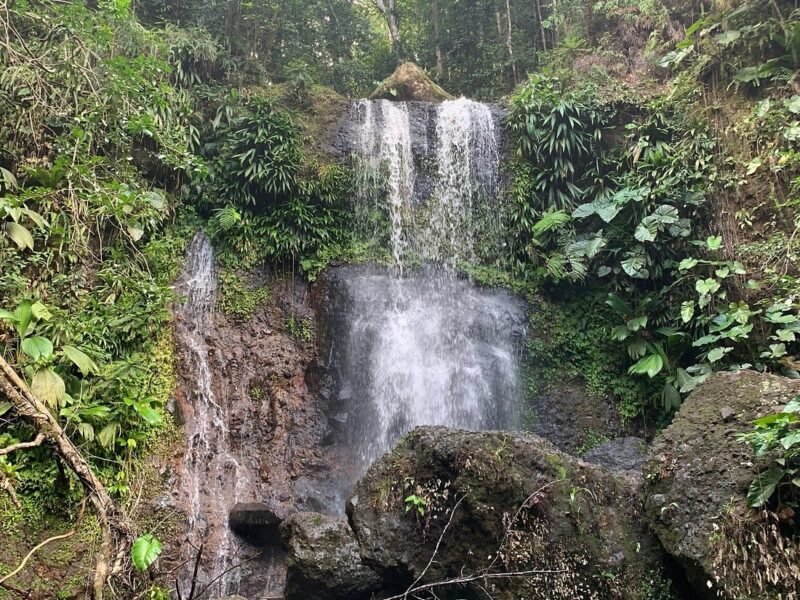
(212, 478)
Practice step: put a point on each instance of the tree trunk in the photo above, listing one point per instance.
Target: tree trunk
(437, 40)
(389, 10)
(541, 24)
(509, 42)
(115, 527)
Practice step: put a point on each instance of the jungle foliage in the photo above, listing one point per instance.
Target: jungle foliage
(618, 196)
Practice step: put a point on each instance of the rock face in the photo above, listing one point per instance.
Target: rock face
(409, 83)
(697, 476)
(323, 560)
(621, 454)
(513, 503)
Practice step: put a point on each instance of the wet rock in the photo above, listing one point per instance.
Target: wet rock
(255, 521)
(555, 513)
(621, 454)
(697, 477)
(565, 414)
(409, 83)
(323, 560)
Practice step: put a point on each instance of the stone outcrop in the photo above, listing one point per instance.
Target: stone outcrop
(323, 560)
(255, 521)
(510, 503)
(621, 454)
(409, 83)
(697, 477)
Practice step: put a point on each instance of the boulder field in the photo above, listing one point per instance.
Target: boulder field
(465, 514)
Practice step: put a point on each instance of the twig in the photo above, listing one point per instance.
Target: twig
(481, 574)
(25, 560)
(22, 445)
(225, 572)
(436, 549)
(196, 569)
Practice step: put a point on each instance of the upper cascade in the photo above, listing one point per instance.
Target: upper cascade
(431, 171)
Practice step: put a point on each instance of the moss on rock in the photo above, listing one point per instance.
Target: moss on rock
(515, 504)
(698, 474)
(409, 83)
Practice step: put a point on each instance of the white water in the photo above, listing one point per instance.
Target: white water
(212, 477)
(384, 149)
(467, 161)
(423, 347)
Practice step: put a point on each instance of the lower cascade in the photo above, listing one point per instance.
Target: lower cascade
(425, 349)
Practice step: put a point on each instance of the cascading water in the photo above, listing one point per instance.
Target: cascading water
(211, 477)
(423, 346)
(384, 151)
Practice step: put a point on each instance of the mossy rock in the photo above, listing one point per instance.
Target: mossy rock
(514, 503)
(409, 83)
(323, 560)
(697, 477)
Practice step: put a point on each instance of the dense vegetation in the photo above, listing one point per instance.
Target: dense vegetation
(655, 188)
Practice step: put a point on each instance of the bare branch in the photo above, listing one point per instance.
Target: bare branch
(484, 573)
(436, 549)
(22, 445)
(25, 560)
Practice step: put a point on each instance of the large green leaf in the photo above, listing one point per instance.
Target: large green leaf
(146, 549)
(728, 37)
(148, 413)
(40, 312)
(717, 353)
(108, 435)
(634, 266)
(647, 230)
(48, 386)
(706, 286)
(23, 315)
(37, 347)
(20, 235)
(764, 486)
(687, 311)
(790, 440)
(650, 365)
(81, 360)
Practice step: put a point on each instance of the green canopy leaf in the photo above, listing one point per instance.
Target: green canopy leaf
(37, 347)
(80, 359)
(146, 549)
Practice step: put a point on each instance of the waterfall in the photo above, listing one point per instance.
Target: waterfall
(425, 167)
(423, 346)
(212, 479)
(384, 149)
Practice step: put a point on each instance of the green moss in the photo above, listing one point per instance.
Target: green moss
(236, 297)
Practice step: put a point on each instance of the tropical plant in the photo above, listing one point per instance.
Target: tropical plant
(776, 436)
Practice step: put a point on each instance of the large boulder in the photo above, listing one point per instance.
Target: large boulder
(409, 83)
(697, 477)
(323, 560)
(449, 504)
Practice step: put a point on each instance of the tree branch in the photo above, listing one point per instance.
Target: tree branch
(25, 560)
(116, 530)
(22, 445)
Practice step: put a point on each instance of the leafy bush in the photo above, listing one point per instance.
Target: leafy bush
(778, 436)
